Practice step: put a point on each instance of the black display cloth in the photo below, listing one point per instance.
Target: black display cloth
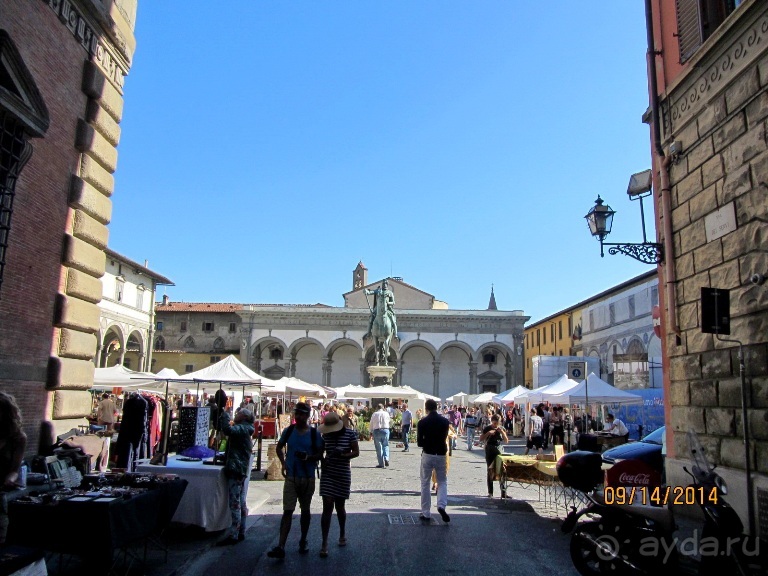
(95, 528)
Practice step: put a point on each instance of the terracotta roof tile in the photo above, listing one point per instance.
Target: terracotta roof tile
(223, 307)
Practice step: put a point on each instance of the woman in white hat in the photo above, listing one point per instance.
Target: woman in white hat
(336, 478)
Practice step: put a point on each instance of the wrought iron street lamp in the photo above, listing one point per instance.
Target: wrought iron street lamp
(600, 220)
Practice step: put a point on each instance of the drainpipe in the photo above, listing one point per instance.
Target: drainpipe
(670, 277)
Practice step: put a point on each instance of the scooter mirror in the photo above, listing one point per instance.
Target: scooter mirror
(721, 485)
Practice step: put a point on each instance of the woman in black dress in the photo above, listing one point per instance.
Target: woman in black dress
(336, 477)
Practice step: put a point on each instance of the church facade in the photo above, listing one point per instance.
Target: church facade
(438, 350)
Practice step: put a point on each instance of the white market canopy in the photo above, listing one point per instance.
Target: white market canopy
(509, 396)
(119, 376)
(459, 398)
(550, 393)
(597, 391)
(484, 398)
(168, 374)
(348, 392)
(226, 371)
(294, 387)
(389, 391)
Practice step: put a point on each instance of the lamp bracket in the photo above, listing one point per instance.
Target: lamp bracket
(646, 252)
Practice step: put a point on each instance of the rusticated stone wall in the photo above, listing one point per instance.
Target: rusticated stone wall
(77, 53)
(718, 111)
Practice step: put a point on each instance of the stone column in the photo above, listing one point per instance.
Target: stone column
(142, 366)
(122, 355)
(97, 358)
(362, 371)
(473, 377)
(436, 378)
(292, 366)
(509, 376)
(399, 373)
(327, 371)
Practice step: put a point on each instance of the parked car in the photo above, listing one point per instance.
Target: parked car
(648, 450)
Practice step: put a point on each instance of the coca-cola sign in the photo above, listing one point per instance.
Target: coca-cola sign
(634, 479)
(632, 473)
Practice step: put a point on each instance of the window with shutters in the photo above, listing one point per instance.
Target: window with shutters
(697, 20)
(207, 326)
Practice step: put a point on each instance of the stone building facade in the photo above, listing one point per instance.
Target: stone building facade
(127, 319)
(708, 80)
(439, 350)
(614, 326)
(63, 66)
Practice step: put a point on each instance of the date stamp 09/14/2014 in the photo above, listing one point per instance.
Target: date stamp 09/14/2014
(660, 495)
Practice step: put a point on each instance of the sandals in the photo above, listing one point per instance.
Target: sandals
(342, 541)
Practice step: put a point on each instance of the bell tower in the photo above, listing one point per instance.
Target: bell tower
(359, 276)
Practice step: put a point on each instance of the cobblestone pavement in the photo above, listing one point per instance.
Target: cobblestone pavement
(517, 534)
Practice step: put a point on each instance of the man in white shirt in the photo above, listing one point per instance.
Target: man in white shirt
(615, 427)
(379, 426)
(535, 427)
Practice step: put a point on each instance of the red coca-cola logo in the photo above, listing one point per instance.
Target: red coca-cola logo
(635, 479)
(632, 473)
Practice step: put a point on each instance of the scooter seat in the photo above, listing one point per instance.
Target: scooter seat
(659, 514)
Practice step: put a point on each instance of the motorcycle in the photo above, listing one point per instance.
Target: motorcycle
(625, 533)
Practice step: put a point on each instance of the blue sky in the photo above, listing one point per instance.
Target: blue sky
(268, 147)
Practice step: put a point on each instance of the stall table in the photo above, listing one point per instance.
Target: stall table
(94, 528)
(206, 500)
(268, 427)
(529, 470)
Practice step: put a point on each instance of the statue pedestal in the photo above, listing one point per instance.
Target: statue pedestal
(382, 373)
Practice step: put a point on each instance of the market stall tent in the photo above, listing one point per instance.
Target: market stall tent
(545, 393)
(484, 398)
(119, 376)
(388, 391)
(509, 396)
(596, 391)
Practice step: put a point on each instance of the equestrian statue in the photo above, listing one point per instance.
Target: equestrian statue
(383, 323)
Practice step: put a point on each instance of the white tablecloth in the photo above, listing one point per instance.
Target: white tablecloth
(206, 500)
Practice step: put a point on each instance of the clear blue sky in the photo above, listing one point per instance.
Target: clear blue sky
(267, 147)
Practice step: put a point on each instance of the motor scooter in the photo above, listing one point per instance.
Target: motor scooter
(631, 530)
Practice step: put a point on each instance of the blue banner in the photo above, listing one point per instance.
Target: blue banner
(649, 415)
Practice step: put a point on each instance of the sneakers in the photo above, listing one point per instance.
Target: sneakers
(425, 519)
(379, 466)
(303, 548)
(444, 515)
(276, 552)
(386, 462)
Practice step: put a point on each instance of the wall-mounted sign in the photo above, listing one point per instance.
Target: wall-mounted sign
(715, 311)
(720, 222)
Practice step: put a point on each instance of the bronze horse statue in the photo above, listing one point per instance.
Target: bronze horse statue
(382, 331)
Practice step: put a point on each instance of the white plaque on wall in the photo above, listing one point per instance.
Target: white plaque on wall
(720, 222)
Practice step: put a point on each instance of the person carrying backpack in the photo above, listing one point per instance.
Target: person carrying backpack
(299, 467)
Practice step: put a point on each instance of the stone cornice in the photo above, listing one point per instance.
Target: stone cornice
(112, 57)
(715, 67)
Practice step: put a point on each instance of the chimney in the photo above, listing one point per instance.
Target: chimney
(166, 300)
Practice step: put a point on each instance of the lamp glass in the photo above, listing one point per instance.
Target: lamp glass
(600, 219)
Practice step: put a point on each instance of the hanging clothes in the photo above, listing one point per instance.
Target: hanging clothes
(133, 429)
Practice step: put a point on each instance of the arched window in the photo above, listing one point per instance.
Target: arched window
(218, 344)
(189, 342)
(159, 343)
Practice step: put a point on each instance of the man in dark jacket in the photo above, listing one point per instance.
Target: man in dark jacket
(237, 469)
(432, 437)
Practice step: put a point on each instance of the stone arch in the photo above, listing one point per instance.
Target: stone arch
(419, 344)
(189, 342)
(635, 346)
(297, 345)
(307, 365)
(457, 344)
(218, 344)
(136, 343)
(112, 344)
(257, 359)
(338, 343)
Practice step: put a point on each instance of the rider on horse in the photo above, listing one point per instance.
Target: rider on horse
(389, 299)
